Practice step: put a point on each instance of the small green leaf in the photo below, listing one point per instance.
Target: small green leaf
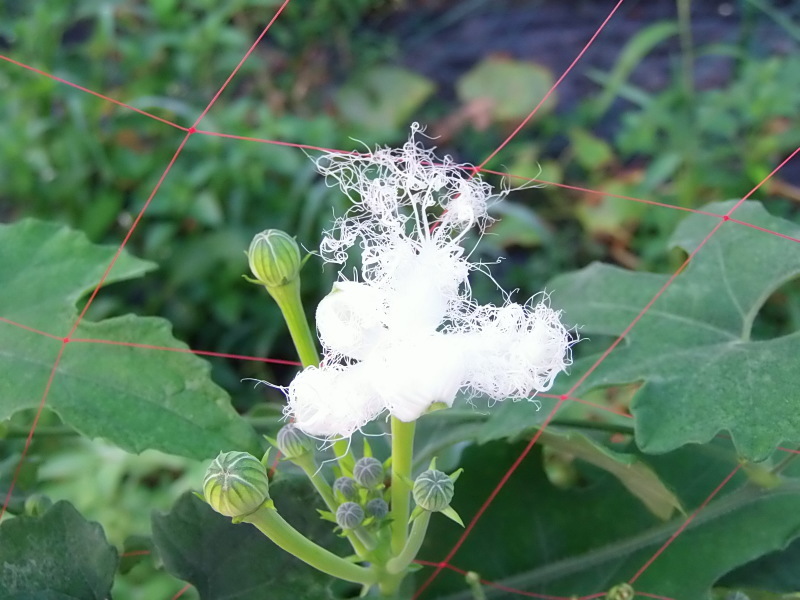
(57, 555)
(510, 88)
(135, 397)
(383, 99)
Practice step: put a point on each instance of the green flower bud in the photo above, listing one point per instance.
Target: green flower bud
(433, 490)
(349, 515)
(292, 442)
(274, 258)
(236, 484)
(368, 472)
(37, 504)
(377, 508)
(346, 487)
(623, 591)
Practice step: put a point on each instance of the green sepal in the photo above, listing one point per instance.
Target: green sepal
(272, 441)
(364, 588)
(406, 480)
(268, 504)
(327, 515)
(251, 280)
(456, 474)
(265, 459)
(436, 406)
(367, 448)
(303, 260)
(199, 495)
(387, 464)
(451, 514)
(760, 475)
(418, 510)
(414, 567)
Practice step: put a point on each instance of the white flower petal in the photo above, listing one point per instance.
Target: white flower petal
(413, 374)
(350, 319)
(332, 402)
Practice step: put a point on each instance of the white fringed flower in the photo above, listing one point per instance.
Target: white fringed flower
(409, 334)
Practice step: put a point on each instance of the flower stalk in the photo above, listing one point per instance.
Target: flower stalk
(402, 458)
(271, 524)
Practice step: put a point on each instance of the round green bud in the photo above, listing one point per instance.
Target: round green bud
(377, 508)
(346, 487)
(433, 490)
(236, 484)
(623, 591)
(274, 258)
(349, 515)
(292, 442)
(368, 472)
(36, 504)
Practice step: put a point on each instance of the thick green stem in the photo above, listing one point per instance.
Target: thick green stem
(402, 456)
(360, 540)
(271, 524)
(400, 563)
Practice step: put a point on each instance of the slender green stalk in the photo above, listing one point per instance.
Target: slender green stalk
(474, 582)
(400, 563)
(288, 299)
(271, 524)
(361, 540)
(402, 456)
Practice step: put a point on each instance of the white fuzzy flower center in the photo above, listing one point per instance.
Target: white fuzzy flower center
(409, 334)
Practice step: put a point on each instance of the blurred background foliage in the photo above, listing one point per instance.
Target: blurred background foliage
(664, 110)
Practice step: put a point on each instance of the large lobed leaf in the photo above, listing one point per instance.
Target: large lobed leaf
(133, 397)
(587, 539)
(701, 372)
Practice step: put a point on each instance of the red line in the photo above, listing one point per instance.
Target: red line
(135, 553)
(763, 181)
(129, 234)
(765, 230)
(31, 329)
(182, 591)
(278, 361)
(241, 62)
(600, 193)
(683, 526)
(489, 500)
(790, 450)
(504, 588)
(552, 89)
(272, 142)
(29, 439)
(88, 91)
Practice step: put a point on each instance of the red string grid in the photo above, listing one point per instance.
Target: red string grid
(445, 563)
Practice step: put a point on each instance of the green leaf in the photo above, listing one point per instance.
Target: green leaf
(509, 88)
(59, 555)
(237, 562)
(137, 398)
(586, 539)
(700, 370)
(639, 479)
(383, 99)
